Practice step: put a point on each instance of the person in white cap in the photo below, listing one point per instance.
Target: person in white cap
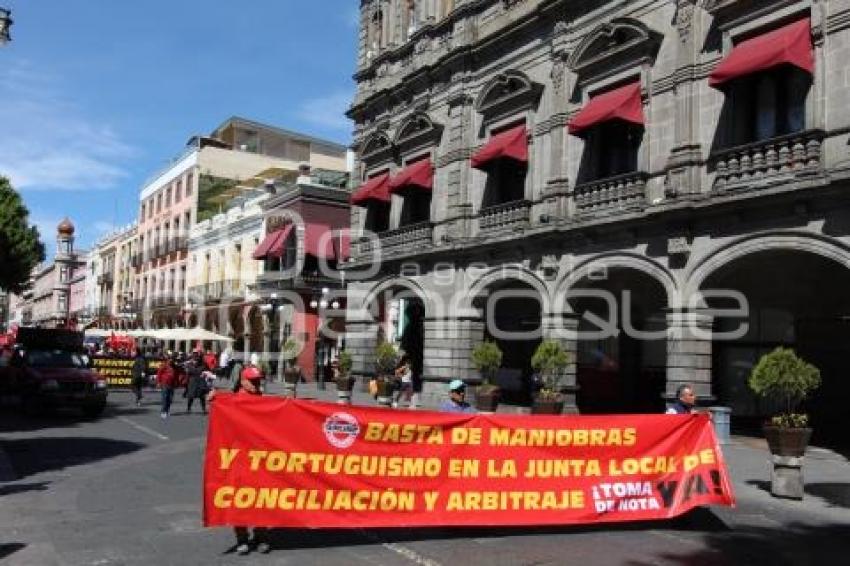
(455, 403)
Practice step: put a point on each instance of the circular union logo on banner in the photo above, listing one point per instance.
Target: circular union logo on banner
(341, 429)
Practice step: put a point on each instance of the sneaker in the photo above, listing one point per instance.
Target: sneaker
(243, 549)
(264, 548)
(139, 403)
(163, 415)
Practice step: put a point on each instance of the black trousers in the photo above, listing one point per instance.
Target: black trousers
(202, 400)
(243, 535)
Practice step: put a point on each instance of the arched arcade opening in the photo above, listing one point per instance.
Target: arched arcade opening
(621, 348)
(795, 299)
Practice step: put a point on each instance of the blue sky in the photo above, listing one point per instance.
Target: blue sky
(95, 95)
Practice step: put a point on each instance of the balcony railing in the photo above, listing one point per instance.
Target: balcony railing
(763, 160)
(104, 279)
(179, 244)
(508, 216)
(233, 288)
(619, 193)
(214, 291)
(275, 281)
(406, 239)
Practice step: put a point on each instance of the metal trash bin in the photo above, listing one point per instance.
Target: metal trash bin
(720, 417)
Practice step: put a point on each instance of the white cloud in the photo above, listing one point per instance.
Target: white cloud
(48, 143)
(328, 111)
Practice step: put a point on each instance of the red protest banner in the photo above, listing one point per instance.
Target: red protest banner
(274, 461)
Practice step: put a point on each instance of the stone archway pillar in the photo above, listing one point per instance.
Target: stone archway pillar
(689, 352)
(563, 327)
(448, 344)
(361, 340)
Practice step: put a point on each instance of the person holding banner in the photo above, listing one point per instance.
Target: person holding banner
(456, 403)
(249, 383)
(685, 400)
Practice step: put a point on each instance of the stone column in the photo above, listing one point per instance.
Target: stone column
(563, 327)
(689, 352)
(361, 339)
(448, 354)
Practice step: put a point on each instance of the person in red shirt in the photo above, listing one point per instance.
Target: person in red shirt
(211, 360)
(166, 377)
(250, 383)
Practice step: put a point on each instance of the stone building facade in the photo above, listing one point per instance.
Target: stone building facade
(542, 166)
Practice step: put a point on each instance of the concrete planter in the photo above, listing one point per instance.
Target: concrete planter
(787, 446)
(784, 441)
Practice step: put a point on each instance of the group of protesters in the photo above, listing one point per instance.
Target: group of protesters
(195, 373)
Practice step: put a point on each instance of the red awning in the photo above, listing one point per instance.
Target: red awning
(376, 188)
(619, 104)
(419, 174)
(510, 144)
(791, 45)
(273, 244)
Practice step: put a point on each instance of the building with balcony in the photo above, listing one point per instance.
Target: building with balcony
(299, 291)
(221, 270)
(603, 174)
(110, 298)
(240, 154)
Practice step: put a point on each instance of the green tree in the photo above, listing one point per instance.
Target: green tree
(20, 246)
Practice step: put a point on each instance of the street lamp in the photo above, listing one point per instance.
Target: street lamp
(6, 22)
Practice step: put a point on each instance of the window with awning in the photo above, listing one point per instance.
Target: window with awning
(418, 175)
(766, 80)
(414, 184)
(511, 144)
(788, 45)
(374, 197)
(612, 125)
(623, 103)
(274, 244)
(375, 189)
(505, 160)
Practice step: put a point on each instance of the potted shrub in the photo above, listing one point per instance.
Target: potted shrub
(782, 375)
(487, 358)
(550, 360)
(386, 358)
(344, 380)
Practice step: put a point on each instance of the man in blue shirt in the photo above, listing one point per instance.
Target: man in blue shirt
(455, 403)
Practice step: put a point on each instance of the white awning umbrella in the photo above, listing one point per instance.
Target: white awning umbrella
(203, 334)
(188, 334)
(141, 333)
(98, 332)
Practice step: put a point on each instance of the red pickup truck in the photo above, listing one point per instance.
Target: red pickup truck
(50, 369)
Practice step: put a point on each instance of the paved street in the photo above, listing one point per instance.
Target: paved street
(126, 489)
